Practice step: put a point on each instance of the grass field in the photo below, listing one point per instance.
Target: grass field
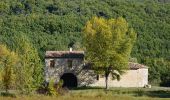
(155, 93)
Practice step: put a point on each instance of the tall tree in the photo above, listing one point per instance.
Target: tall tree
(29, 73)
(8, 60)
(108, 45)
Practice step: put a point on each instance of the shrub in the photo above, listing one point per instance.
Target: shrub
(52, 89)
(7, 94)
(165, 79)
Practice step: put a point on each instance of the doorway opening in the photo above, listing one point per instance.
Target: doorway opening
(69, 80)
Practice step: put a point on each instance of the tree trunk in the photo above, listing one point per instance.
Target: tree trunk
(106, 79)
(106, 83)
(6, 89)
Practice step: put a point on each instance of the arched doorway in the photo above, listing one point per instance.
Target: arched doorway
(69, 80)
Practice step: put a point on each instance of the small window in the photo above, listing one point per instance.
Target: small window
(97, 77)
(52, 63)
(70, 63)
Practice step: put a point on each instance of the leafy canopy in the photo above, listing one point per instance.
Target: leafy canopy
(30, 72)
(8, 61)
(108, 43)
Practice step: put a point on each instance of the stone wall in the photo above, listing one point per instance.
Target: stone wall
(84, 76)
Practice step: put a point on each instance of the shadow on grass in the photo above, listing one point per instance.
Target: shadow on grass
(7, 94)
(160, 94)
(156, 93)
(134, 92)
(85, 88)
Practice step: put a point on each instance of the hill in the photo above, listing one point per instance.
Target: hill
(53, 24)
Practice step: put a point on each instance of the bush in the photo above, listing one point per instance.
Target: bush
(139, 92)
(165, 79)
(7, 94)
(52, 89)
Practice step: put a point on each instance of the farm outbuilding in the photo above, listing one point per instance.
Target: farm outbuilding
(69, 66)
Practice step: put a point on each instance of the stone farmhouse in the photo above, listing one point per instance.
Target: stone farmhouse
(69, 66)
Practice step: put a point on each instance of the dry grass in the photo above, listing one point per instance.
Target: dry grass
(81, 97)
(100, 94)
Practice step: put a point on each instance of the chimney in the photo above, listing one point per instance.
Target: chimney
(71, 49)
(70, 45)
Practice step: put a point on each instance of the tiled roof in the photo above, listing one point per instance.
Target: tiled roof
(64, 54)
(80, 54)
(133, 65)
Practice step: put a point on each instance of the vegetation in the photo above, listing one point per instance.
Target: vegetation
(24, 69)
(52, 89)
(99, 94)
(108, 44)
(29, 71)
(30, 27)
(8, 60)
(53, 24)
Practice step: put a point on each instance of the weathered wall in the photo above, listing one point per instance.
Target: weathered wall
(132, 78)
(84, 77)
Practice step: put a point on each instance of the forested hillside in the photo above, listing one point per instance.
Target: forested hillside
(53, 24)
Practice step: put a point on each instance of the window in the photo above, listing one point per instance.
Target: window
(70, 62)
(52, 63)
(97, 77)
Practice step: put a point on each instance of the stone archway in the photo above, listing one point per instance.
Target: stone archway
(69, 80)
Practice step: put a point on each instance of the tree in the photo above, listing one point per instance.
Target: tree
(8, 60)
(108, 45)
(30, 72)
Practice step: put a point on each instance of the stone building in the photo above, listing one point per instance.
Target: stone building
(69, 66)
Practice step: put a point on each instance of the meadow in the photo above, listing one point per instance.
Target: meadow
(97, 93)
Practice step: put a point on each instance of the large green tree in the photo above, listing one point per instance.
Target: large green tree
(29, 72)
(108, 44)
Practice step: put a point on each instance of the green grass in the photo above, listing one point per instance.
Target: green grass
(88, 93)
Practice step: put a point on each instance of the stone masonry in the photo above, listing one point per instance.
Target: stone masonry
(59, 63)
